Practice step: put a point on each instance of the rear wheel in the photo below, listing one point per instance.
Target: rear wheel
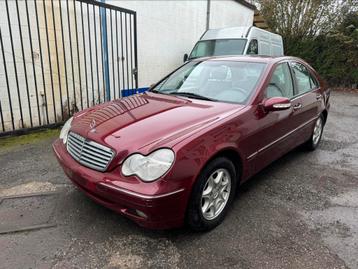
(316, 136)
(212, 194)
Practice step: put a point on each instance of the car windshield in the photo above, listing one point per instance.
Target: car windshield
(226, 81)
(218, 47)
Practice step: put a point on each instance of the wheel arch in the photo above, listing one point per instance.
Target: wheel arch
(325, 115)
(230, 153)
(233, 155)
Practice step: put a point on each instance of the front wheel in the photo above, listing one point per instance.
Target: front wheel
(316, 136)
(212, 194)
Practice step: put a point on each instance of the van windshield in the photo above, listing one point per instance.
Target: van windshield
(218, 47)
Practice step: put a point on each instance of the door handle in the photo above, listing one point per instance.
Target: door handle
(297, 106)
(318, 97)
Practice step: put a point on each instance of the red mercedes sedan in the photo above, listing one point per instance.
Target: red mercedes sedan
(176, 154)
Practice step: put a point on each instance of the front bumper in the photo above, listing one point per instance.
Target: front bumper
(156, 210)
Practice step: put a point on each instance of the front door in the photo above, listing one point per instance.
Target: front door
(274, 127)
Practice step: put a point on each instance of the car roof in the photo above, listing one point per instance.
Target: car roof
(248, 58)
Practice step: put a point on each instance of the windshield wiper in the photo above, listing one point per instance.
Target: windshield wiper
(193, 95)
(164, 91)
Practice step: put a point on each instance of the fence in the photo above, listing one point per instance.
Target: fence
(61, 56)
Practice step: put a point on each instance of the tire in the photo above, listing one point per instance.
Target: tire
(316, 136)
(214, 176)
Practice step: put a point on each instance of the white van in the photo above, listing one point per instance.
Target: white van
(237, 41)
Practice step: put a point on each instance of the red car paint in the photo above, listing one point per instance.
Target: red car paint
(197, 131)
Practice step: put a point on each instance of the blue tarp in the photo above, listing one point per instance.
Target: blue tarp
(128, 92)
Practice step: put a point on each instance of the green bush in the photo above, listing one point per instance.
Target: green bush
(334, 55)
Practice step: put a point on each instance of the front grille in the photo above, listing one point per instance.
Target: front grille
(89, 153)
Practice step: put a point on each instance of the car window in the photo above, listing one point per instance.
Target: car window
(253, 48)
(303, 78)
(314, 82)
(184, 78)
(281, 82)
(228, 81)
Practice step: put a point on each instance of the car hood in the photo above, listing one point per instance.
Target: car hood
(148, 121)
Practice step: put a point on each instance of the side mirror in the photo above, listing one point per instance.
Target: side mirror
(277, 103)
(185, 58)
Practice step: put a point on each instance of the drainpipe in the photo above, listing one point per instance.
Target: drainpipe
(105, 51)
(208, 14)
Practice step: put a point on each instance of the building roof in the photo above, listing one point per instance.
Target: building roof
(246, 4)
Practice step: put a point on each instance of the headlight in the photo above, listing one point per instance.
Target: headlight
(151, 167)
(65, 129)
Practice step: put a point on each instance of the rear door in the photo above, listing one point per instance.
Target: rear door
(306, 102)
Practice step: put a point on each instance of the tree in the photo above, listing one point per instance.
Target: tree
(304, 18)
(322, 32)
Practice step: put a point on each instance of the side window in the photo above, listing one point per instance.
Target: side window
(303, 78)
(281, 82)
(314, 82)
(253, 48)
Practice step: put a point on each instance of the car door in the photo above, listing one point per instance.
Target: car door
(274, 127)
(306, 102)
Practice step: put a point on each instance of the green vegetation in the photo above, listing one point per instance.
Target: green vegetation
(322, 32)
(334, 54)
(14, 141)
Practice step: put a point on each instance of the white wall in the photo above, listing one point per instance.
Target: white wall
(228, 13)
(168, 29)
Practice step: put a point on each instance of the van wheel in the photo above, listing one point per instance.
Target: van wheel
(316, 136)
(212, 194)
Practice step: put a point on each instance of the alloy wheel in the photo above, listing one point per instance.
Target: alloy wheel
(317, 131)
(216, 194)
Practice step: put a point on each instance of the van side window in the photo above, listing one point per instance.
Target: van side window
(303, 78)
(253, 47)
(281, 82)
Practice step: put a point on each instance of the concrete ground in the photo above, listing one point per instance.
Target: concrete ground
(301, 212)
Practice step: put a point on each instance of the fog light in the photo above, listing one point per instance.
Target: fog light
(141, 214)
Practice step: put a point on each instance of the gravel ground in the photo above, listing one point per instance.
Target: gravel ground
(300, 212)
